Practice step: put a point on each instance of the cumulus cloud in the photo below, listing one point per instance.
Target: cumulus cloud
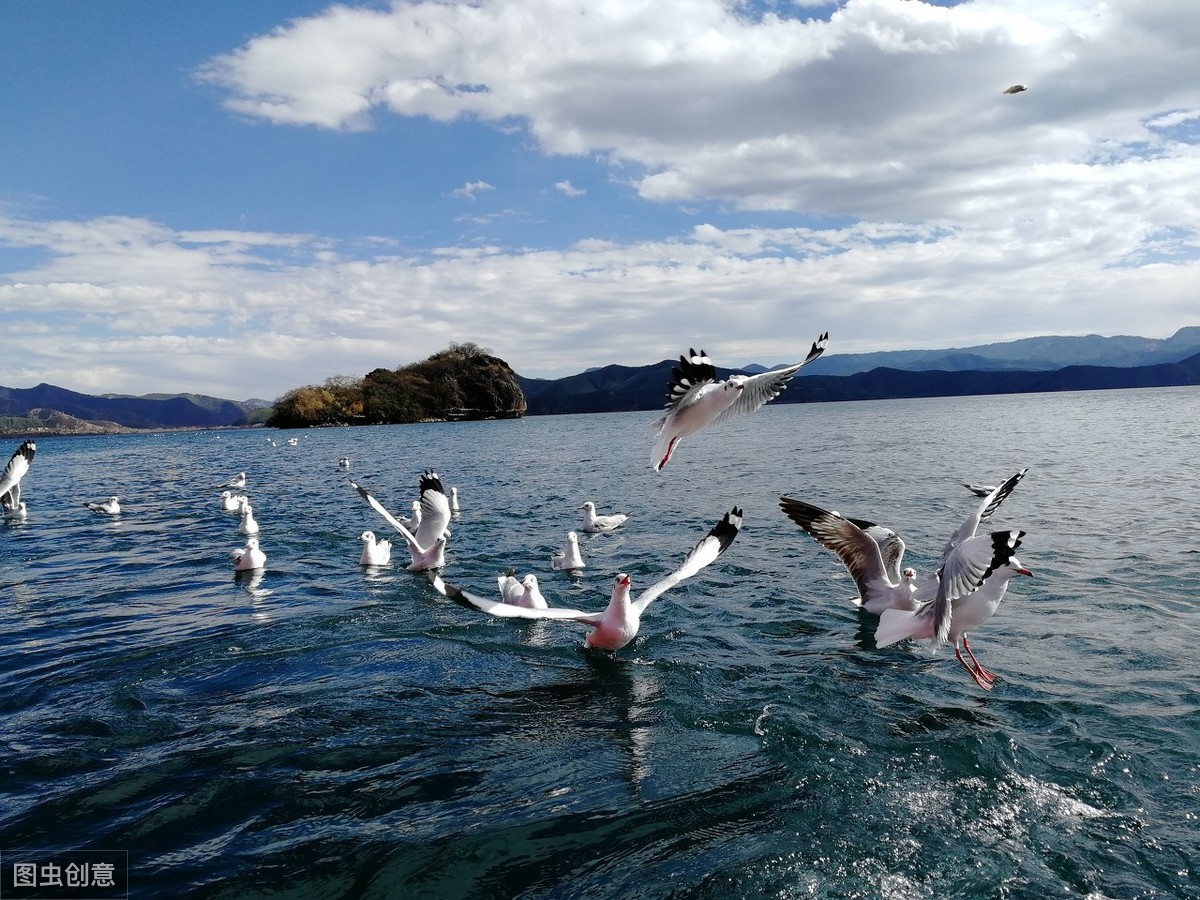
(471, 188)
(568, 189)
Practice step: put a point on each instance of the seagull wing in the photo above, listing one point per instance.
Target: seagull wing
(709, 547)
(857, 550)
(509, 610)
(987, 506)
(435, 510)
(387, 516)
(693, 372)
(968, 567)
(891, 546)
(15, 470)
(758, 390)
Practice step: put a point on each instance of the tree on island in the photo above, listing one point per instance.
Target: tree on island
(464, 381)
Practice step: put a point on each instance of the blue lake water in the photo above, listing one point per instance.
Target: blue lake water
(330, 731)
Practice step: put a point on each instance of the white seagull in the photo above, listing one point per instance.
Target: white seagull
(972, 583)
(695, 399)
(248, 557)
(374, 553)
(344, 462)
(873, 554)
(413, 522)
(427, 545)
(861, 554)
(109, 507)
(231, 502)
(617, 624)
(249, 524)
(237, 482)
(453, 499)
(524, 593)
(570, 558)
(600, 524)
(14, 507)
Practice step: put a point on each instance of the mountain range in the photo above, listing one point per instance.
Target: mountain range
(1029, 365)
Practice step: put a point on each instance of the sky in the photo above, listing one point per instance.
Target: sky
(237, 199)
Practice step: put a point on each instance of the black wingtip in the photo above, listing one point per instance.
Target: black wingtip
(727, 529)
(431, 481)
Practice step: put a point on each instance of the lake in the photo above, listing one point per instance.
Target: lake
(333, 731)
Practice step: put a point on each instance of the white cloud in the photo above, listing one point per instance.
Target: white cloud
(471, 188)
(568, 189)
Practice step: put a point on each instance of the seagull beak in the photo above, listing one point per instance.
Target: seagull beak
(625, 581)
(1024, 571)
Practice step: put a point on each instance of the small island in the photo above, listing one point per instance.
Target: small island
(462, 382)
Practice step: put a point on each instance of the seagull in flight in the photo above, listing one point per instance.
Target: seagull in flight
(427, 545)
(600, 524)
(374, 553)
(570, 557)
(14, 507)
(1015, 89)
(617, 624)
(971, 583)
(873, 554)
(695, 399)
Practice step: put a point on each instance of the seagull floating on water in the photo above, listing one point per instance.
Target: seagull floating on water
(453, 499)
(374, 553)
(109, 507)
(695, 399)
(231, 502)
(427, 545)
(344, 462)
(617, 624)
(600, 524)
(14, 507)
(237, 482)
(972, 583)
(570, 558)
(248, 525)
(525, 592)
(248, 557)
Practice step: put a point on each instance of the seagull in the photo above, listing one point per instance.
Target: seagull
(248, 525)
(427, 545)
(374, 553)
(237, 482)
(617, 624)
(570, 557)
(523, 593)
(979, 490)
(344, 462)
(860, 553)
(600, 524)
(248, 557)
(1015, 89)
(695, 399)
(10, 482)
(110, 507)
(971, 585)
(414, 521)
(453, 499)
(231, 502)
(873, 554)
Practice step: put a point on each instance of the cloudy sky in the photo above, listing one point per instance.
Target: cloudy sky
(238, 198)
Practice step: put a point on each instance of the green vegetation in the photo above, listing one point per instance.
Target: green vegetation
(463, 381)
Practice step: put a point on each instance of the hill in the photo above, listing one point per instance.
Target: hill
(155, 411)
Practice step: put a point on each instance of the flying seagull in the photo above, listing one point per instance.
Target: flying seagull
(617, 624)
(10, 482)
(1015, 89)
(695, 399)
(427, 545)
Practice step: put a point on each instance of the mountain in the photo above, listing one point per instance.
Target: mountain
(1026, 355)
(154, 411)
(619, 388)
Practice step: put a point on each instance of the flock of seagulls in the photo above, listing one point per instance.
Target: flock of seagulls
(962, 592)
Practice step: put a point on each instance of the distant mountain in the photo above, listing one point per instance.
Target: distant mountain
(620, 388)
(154, 411)
(1027, 355)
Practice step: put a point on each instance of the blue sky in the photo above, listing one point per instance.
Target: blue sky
(238, 198)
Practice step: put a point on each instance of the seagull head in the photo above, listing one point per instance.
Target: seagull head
(367, 537)
(530, 582)
(735, 383)
(909, 574)
(1017, 568)
(589, 505)
(621, 586)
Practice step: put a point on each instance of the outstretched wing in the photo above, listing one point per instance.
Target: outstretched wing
(14, 471)
(509, 610)
(968, 566)
(758, 390)
(986, 507)
(435, 510)
(891, 546)
(709, 547)
(379, 508)
(857, 550)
